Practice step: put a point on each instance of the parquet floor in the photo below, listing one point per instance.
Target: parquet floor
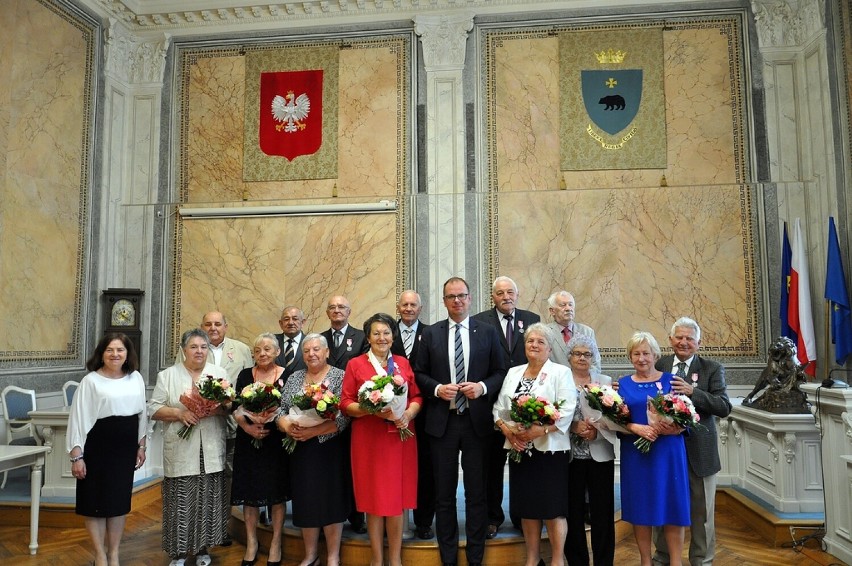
(737, 546)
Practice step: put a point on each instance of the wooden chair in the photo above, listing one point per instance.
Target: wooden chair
(69, 388)
(20, 431)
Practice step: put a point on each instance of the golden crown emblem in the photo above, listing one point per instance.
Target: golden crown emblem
(611, 56)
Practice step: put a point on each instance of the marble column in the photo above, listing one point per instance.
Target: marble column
(443, 39)
(132, 100)
(799, 125)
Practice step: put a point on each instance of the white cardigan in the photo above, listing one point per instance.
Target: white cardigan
(181, 457)
(554, 383)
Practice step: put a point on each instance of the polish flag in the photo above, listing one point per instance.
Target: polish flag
(799, 312)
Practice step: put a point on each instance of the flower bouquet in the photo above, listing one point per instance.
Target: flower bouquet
(382, 391)
(314, 406)
(527, 410)
(259, 401)
(204, 397)
(605, 409)
(672, 408)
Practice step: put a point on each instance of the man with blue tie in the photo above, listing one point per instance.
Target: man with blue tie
(460, 368)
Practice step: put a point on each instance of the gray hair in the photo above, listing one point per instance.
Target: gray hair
(267, 336)
(504, 278)
(291, 307)
(315, 336)
(193, 333)
(642, 337)
(551, 300)
(539, 328)
(584, 340)
(686, 322)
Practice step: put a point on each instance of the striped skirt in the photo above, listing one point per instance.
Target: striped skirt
(195, 513)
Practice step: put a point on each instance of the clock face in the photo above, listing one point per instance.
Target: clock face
(123, 313)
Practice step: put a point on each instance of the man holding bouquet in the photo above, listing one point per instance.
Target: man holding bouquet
(703, 381)
(460, 368)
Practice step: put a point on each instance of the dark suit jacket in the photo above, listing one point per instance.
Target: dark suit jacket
(399, 349)
(486, 364)
(711, 400)
(298, 361)
(515, 355)
(339, 357)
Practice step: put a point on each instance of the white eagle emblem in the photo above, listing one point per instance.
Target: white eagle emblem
(290, 112)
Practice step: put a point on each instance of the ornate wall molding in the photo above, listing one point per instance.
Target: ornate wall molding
(444, 39)
(789, 447)
(787, 23)
(132, 60)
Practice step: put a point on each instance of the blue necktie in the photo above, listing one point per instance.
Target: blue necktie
(461, 400)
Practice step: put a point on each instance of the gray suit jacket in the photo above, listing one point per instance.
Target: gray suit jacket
(710, 399)
(560, 353)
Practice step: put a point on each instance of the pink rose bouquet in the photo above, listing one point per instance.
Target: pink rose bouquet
(204, 397)
(672, 408)
(382, 391)
(528, 410)
(315, 405)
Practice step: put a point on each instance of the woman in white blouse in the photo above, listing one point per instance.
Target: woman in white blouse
(106, 441)
(195, 506)
(538, 490)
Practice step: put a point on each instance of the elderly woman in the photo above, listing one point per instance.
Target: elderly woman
(195, 508)
(654, 485)
(319, 469)
(260, 474)
(592, 468)
(386, 485)
(106, 441)
(537, 487)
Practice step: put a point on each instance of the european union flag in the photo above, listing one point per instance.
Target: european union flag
(786, 266)
(836, 292)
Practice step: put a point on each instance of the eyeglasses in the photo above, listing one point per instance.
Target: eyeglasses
(337, 308)
(460, 297)
(587, 355)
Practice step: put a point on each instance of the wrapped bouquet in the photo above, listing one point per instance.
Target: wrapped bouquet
(672, 408)
(315, 405)
(605, 409)
(528, 410)
(205, 396)
(259, 401)
(382, 391)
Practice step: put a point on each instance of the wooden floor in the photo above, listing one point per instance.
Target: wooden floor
(737, 546)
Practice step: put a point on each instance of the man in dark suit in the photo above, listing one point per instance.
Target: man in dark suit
(407, 343)
(344, 341)
(703, 381)
(510, 322)
(459, 368)
(290, 341)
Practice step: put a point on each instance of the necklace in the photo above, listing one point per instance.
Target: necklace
(269, 376)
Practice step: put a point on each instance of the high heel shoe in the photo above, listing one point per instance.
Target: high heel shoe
(249, 562)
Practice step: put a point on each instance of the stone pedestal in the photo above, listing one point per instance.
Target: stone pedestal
(833, 411)
(775, 457)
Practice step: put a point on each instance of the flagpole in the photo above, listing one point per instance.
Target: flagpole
(827, 337)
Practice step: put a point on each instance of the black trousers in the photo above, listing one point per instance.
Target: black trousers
(596, 478)
(425, 512)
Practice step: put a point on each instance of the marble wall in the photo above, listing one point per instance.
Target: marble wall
(636, 255)
(46, 116)
(250, 268)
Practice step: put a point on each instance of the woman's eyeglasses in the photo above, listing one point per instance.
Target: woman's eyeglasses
(587, 355)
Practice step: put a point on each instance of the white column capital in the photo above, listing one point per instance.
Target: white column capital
(788, 23)
(444, 39)
(132, 60)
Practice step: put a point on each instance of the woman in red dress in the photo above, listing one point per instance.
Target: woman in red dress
(384, 466)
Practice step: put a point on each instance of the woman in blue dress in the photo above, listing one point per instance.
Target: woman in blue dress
(654, 485)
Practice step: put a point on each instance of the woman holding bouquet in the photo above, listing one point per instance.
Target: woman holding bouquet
(106, 441)
(537, 487)
(655, 485)
(195, 508)
(260, 473)
(384, 458)
(592, 468)
(318, 465)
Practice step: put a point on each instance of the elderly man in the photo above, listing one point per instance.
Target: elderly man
(290, 341)
(562, 310)
(510, 322)
(407, 344)
(344, 341)
(459, 368)
(703, 381)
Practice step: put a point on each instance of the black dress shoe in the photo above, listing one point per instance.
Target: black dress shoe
(425, 533)
(491, 533)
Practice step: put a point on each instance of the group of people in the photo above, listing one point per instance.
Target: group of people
(461, 375)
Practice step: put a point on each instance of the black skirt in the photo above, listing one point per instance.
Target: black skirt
(320, 491)
(110, 456)
(538, 485)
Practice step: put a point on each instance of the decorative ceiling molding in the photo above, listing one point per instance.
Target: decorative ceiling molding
(788, 23)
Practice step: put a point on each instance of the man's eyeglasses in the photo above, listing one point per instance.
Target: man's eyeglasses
(460, 297)
(587, 355)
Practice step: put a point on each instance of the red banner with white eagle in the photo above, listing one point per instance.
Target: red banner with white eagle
(291, 113)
